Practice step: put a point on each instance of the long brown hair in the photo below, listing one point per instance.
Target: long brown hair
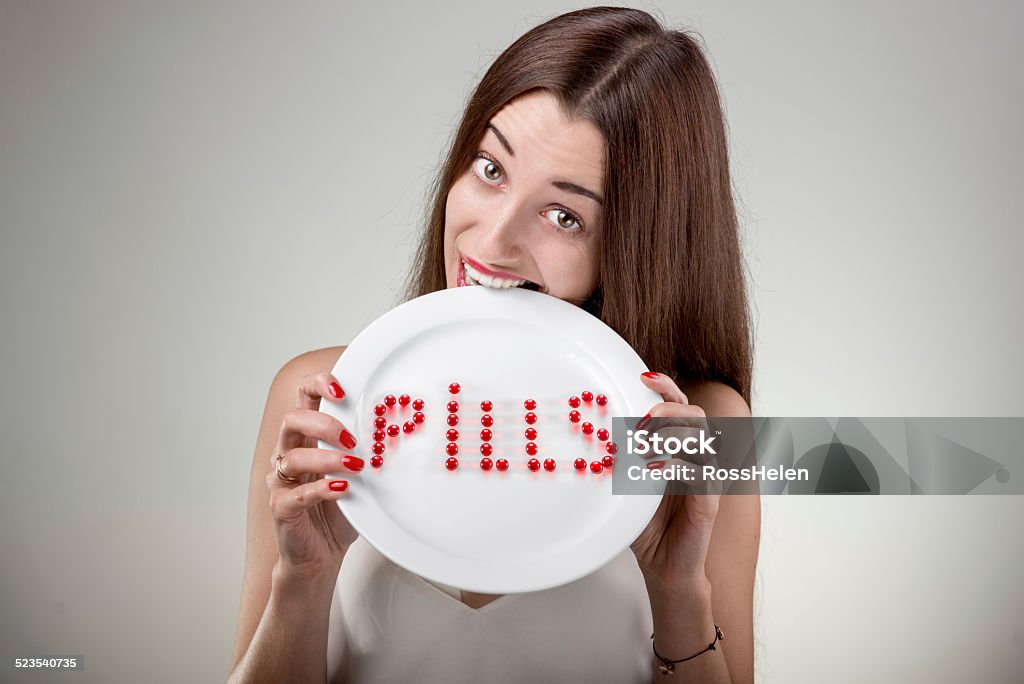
(671, 277)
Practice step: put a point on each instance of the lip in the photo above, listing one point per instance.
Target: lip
(486, 271)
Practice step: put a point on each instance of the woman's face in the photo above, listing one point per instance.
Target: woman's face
(528, 207)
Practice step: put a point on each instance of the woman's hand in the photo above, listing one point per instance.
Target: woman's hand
(673, 548)
(312, 533)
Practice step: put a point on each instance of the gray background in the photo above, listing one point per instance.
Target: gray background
(193, 193)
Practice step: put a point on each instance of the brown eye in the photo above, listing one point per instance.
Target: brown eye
(487, 170)
(565, 220)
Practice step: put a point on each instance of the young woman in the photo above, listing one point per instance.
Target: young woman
(591, 164)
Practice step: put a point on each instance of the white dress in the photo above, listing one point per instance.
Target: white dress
(390, 625)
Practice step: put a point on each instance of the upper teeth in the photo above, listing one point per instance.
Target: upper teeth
(475, 277)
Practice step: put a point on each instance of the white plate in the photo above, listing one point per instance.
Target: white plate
(491, 532)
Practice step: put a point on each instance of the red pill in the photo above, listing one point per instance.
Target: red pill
(380, 409)
(601, 399)
(417, 405)
(587, 428)
(485, 435)
(580, 464)
(380, 422)
(418, 417)
(533, 464)
(530, 433)
(531, 448)
(404, 400)
(378, 448)
(549, 464)
(602, 435)
(486, 449)
(486, 420)
(502, 464)
(452, 448)
(377, 461)
(531, 418)
(586, 395)
(574, 402)
(611, 447)
(486, 463)
(390, 400)
(596, 467)
(452, 435)
(378, 435)
(574, 416)
(453, 419)
(454, 388)
(452, 463)
(393, 429)
(607, 461)
(486, 406)
(408, 427)
(529, 404)
(453, 407)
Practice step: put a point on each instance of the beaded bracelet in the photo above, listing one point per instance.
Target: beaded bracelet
(668, 667)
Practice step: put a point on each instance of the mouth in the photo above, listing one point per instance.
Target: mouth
(468, 275)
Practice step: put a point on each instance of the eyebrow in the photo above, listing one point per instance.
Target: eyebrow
(561, 185)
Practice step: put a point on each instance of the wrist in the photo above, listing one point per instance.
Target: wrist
(304, 582)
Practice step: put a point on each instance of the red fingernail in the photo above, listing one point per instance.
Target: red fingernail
(347, 440)
(656, 464)
(353, 462)
(652, 375)
(336, 390)
(338, 485)
(643, 422)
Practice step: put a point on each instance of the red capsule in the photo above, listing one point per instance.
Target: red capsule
(404, 400)
(611, 447)
(533, 464)
(486, 463)
(376, 460)
(531, 448)
(453, 407)
(607, 461)
(601, 399)
(529, 404)
(531, 418)
(574, 401)
(485, 435)
(408, 427)
(486, 449)
(549, 464)
(453, 419)
(486, 406)
(486, 420)
(418, 417)
(502, 464)
(454, 388)
(574, 416)
(380, 409)
(379, 435)
(451, 463)
(380, 422)
(602, 435)
(378, 448)
(390, 400)
(596, 467)
(452, 448)
(393, 429)
(586, 395)
(452, 435)
(417, 405)
(580, 464)
(530, 433)
(587, 428)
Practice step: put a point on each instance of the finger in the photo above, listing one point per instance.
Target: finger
(307, 461)
(314, 387)
(689, 414)
(300, 424)
(291, 504)
(665, 386)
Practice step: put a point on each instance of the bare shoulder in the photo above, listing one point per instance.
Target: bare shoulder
(310, 362)
(716, 398)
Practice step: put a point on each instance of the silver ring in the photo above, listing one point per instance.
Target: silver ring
(286, 478)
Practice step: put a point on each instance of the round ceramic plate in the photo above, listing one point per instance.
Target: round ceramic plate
(490, 531)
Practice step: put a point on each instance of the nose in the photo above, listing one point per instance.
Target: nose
(503, 238)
